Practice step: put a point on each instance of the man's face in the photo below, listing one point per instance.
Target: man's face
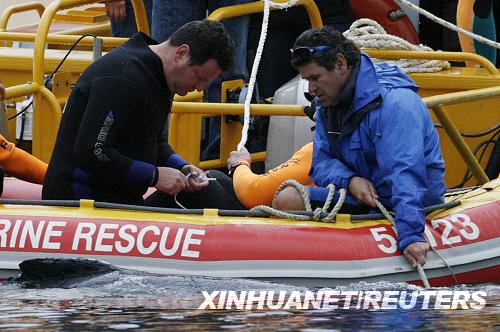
(185, 78)
(326, 85)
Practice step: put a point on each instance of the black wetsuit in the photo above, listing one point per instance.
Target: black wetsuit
(113, 131)
(113, 135)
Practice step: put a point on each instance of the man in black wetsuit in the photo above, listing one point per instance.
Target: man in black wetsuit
(112, 143)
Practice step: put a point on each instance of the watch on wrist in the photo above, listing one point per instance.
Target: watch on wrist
(235, 165)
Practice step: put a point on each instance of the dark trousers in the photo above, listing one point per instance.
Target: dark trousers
(218, 195)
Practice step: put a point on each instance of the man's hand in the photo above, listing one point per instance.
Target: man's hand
(243, 154)
(170, 180)
(363, 190)
(196, 178)
(416, 253)
(116, 9)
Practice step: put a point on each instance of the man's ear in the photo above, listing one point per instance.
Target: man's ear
(182, 52)
(340, 62)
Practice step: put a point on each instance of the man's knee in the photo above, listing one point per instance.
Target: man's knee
(288, 199)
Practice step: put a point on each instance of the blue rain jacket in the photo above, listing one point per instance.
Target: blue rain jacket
(394, 145)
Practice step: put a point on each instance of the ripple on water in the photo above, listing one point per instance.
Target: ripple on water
(128, 300)
(123, 326)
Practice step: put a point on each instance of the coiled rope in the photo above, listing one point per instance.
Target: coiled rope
(447, 24)
(304, 194)
(369, 34)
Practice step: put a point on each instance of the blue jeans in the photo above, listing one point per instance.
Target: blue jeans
(127, 27)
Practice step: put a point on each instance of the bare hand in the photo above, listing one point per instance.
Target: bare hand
(363, 190)
(3, 94)
(243, 154)
(196, 178)
(170, 180)
(116, 9)
(416, 253)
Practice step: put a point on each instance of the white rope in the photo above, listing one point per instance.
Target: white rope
(283, 5)
(447, 24)
(369, 34)
(255, 66)
(389, 217)
(178, 203)
(304, 194)
(253, 76)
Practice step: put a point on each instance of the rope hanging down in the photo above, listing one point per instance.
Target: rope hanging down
(369, 34)
(389, 217)
(447, 24)
(255, 66)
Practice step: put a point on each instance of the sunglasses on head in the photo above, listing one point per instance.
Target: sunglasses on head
(307, 51)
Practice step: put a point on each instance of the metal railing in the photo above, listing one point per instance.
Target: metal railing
(437, 104)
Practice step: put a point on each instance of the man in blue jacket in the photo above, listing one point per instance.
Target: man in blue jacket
(374, 136)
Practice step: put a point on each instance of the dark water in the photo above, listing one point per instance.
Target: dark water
(128, 300)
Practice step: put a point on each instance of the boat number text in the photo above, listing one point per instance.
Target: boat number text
(468, 231)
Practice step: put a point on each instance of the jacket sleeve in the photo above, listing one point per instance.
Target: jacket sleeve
(253, 189)
(326, 168)
(400, 154)
(109, 106)
(21, 164)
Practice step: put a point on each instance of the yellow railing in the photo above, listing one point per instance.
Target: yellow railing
(186, 140)
(258, 7)
(47, 107)
(20, 8)
(421, 55)
(185, 128)
(187, 116)
(437, 104)
(47, 114)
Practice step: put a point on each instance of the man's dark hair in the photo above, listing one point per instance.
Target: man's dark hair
(207, 40)
(326, 36)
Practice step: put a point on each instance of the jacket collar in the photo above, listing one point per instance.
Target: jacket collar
(367, 87)
(360, 95)
(138, 45)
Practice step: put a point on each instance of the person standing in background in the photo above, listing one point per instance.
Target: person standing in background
(121, 16)
(477, 17)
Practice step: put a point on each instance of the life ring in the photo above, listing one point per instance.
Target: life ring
(385, 12)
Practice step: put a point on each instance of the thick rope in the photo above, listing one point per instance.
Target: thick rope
(447, 24)
(369, 34)
(255, 66)
(389, 217)
(304, 194)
